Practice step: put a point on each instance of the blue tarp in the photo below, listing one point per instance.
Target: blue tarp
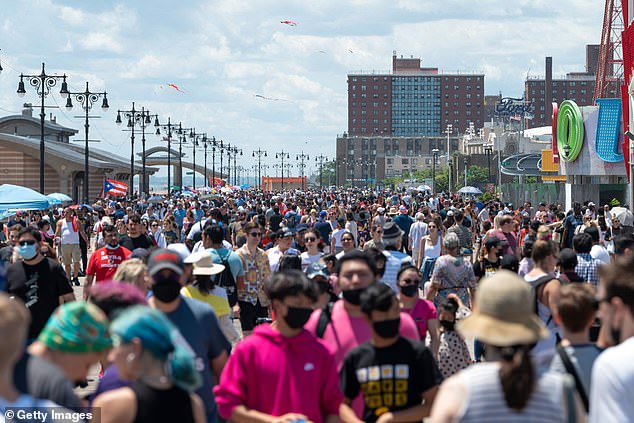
(14, 197)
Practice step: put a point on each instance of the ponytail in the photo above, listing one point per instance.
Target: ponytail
(517, 376)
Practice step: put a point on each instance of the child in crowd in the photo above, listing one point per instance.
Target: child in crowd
(453, 354)
(575, 315)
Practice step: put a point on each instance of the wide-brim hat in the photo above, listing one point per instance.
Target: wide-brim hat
(503, 313)
(203, 264)
(391, 230)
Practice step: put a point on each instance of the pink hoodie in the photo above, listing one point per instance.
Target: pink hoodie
(273, 374)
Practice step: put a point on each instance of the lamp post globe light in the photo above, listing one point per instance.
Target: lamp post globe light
(141, 118)
(259, 153)
(87, 99)
(169, 126)
(282, 155)
(42, 84)
(320, 160)
(302, 165)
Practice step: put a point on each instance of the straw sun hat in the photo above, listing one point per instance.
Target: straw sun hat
(503, 314)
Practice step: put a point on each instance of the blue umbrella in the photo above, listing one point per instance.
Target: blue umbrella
(15, 197)
(63, 198)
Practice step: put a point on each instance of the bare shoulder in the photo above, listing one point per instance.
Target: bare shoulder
(118, 405)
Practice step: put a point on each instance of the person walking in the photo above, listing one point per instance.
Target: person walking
(67, 233)
(505, 388)
(104, 262)
(150, 353)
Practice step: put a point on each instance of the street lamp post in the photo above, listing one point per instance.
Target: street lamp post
(302, 166)
(223, 147)
(488, 151)
(42, 84)
(146, 121)
(321, 159)
(448, 131)
(135, 117)
(213, 162)
(169, 126)
(281, 155)
(87, 99)
(259, 153)
(235, 151)
(182, 137)
(206, 141)
(434, 153)
(466, 163)
(195, 137)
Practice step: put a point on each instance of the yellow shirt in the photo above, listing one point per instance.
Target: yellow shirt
(219, 303)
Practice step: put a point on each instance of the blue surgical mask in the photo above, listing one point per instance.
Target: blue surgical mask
(28, 252)
(110, 247)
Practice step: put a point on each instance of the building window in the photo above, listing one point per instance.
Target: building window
(404, 161)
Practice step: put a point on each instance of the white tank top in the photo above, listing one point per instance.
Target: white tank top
(433, 251)
(69, 236)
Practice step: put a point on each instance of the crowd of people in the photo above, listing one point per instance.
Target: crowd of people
(313, 306)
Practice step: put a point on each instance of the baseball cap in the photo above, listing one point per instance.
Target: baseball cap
(494, 241)
(301, 227)
(284, 232)
(402, 209)
(165, 259)
(317, 269)
(323, 214)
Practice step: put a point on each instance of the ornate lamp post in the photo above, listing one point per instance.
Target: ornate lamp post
(321, 159)
(195, 136)
(259, 153)
(434, 159)
(448, 131)
(183, 133)
(42, 84)
(142, 119)
(302, 166)
(281, 155)
(168, 127)
(87, 99)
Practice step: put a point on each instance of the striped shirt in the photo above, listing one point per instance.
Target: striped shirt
(485, 399)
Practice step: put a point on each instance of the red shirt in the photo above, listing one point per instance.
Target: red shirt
(104, 262)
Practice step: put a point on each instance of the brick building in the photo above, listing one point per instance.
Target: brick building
(411, 101)
(576, 86)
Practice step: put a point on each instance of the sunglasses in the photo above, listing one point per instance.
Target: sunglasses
(27, 242)
(310, 239)
(154, 225)
(255, 234)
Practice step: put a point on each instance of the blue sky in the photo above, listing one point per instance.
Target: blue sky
(224, 52)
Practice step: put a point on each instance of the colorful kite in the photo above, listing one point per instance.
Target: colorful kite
(289, 23)
(176, 88)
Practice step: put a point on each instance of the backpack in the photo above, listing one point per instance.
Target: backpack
(228, 282)
(325, 317)
(535, 285)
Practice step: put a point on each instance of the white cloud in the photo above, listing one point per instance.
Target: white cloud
(147, 66)
(101, 41)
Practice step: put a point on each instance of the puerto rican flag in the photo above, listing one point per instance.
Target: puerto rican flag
(112, 187)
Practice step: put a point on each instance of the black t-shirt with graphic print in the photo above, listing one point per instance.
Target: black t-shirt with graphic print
(40, 287)
(391, 378)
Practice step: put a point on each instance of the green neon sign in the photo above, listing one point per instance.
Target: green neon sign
(569, 131)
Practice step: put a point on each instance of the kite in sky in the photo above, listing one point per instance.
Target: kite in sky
(176, 88)
(270, 98)
(289, 23)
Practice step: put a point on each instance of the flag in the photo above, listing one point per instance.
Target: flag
(112, 187)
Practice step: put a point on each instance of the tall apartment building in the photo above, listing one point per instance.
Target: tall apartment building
(411, 101)
(576, 86)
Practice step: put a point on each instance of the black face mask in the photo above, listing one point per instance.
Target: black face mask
(296, 317)
(387, 328)
(409, 290)
(447, 325)
(166, 289)
(353, 296)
